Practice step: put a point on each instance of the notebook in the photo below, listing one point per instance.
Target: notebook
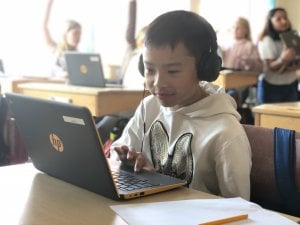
(85, 69)
(62, 141)
(291, 40)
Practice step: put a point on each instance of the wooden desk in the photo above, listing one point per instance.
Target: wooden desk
(100, 101)
(10, 83)
(29, 197)
(236, 79)
(284, 115)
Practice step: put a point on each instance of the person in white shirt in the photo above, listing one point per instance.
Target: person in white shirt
(69, 42)
(132, 77)
(279, 82)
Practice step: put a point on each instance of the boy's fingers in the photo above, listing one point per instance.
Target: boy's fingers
(122, 152)
(149, 167)
(132, 155)
(139, 163)
(133, 158)
(142, 163)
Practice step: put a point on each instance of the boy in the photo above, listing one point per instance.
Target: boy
(186, 128)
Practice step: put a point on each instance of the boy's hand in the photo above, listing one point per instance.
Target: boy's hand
(133, 158)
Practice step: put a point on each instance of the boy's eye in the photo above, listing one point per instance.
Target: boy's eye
(173, 71)
(149, 71)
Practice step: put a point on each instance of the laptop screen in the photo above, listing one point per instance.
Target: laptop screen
(85, 69)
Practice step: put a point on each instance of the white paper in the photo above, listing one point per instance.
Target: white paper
(196, 211)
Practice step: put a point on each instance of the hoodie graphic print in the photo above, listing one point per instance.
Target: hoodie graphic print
(178, 163)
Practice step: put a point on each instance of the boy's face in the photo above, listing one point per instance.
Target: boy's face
(171, 75)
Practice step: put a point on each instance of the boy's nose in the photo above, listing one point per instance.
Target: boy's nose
(159, 79)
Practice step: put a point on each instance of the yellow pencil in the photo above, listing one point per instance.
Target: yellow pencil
(226, 220)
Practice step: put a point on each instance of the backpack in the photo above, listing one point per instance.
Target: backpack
(110, 128)
(4, 149)
(12, 146)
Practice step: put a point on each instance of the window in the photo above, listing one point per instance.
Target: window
(22, 45)
(24, 51)
(222, 16)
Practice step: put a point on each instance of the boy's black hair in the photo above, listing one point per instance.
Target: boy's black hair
(197, 35)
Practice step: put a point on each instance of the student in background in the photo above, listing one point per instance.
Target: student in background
(188, 127)
(279, 81)
(129, 35)
(69, 41)
(132, 77)
(242, 54)
(2, 72)
(129, 68)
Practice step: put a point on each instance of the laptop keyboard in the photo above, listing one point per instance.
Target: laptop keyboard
(129, 182)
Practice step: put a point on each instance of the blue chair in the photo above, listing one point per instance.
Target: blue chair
(260, 89)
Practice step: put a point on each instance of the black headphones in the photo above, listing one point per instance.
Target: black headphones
(209, 63)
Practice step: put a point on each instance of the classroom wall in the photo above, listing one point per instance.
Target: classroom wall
(292, 7)
(22, 44)
(222, 20)
(194, 5)
(23, 47)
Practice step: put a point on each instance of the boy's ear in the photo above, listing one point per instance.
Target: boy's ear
(141, 65)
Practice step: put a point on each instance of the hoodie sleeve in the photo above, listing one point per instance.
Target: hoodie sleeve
(211, 88)
(233, 166)
(132, 134)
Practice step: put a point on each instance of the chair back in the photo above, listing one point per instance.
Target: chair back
(264, 188)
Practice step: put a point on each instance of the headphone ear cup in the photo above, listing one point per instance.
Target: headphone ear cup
(141, 65)
(209, 67)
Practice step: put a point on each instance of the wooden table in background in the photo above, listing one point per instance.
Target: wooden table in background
(11, 83)
(283, 115)
(100, 101)
(236, 79)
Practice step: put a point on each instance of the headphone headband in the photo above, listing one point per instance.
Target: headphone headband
(194, 32)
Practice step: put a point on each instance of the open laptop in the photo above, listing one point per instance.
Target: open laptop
(62, 141)
(85, 69)
(291, 40)
(1, 67)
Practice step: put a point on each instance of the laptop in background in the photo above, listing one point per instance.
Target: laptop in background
(85, 69)
(291, 40)
(1, 67)
(62, 141)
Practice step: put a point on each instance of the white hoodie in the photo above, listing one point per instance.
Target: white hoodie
(203, 143)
